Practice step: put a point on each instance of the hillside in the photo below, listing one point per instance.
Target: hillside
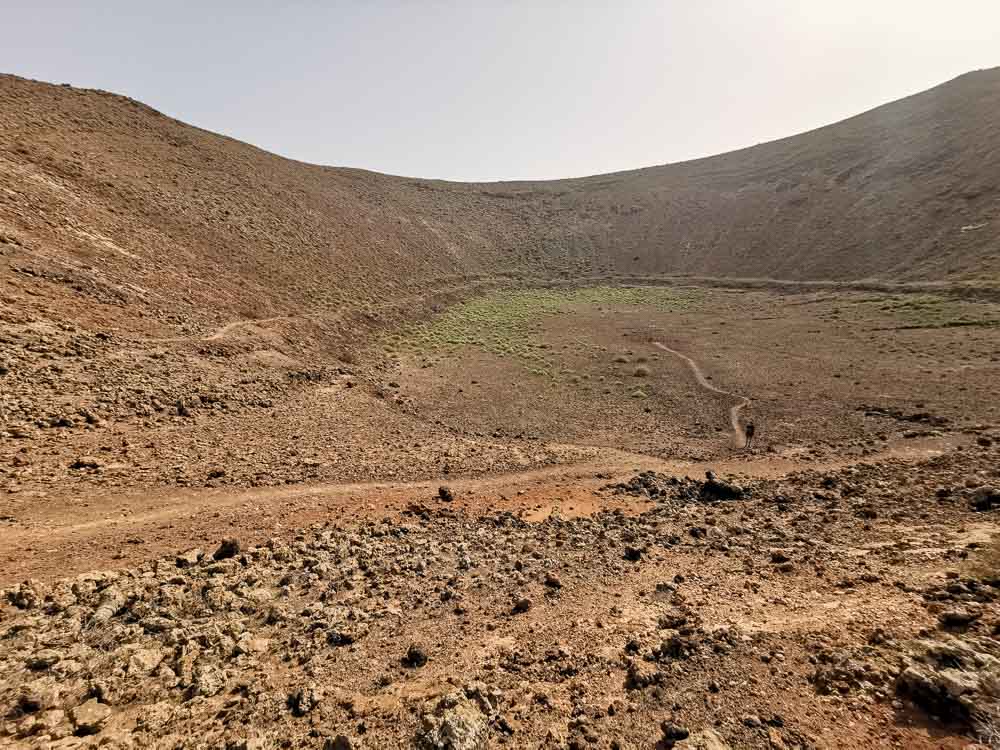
(145, 262)
(113, 210)
(704, 455)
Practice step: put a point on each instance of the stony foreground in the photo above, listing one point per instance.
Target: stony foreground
(848, 609)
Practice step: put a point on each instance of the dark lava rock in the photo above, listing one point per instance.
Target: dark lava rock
(522, 605)
(303, 701)
(714, 488)
(86, 462)
(415, 657)
(673, 732)
(985, 499)
(958, 619)
(228, 548)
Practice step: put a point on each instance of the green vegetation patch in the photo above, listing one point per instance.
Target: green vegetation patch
(933, 311)
(507, 323)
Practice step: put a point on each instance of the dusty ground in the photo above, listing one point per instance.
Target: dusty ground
(822, 371)
(806, 612)
(519, 381)
(201, 341)
(826, 609)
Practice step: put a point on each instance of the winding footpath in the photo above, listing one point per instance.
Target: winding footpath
(734, 412)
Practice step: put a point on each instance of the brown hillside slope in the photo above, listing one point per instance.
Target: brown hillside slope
(105, 199)
(884, 195)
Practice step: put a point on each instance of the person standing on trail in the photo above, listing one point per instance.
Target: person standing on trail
(749, 430)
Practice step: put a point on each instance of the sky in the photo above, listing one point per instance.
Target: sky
(475, 90)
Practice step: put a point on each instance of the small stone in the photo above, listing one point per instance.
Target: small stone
(415, 657)
(345, 634)
(303, 701)
(248, 645)
(112, 601)
(633, 554)
(190, 558)
(144, 660)
(673, 733)
(86, 462)
(958, 619)
(228, 548)
(985, 499)
(552, 581)
(445, 494)
(208, 680)
(522, 605)
(88, 717)
(752, 721)
(25, 595)
(455, 725)
(43, 659)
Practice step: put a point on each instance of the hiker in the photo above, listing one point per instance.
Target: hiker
(749, 430)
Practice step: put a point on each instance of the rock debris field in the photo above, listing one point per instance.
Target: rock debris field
(318, 458)
(853, 608)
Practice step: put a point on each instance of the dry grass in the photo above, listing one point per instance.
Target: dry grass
(988, 729)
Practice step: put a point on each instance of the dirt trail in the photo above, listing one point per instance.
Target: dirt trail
(53, 539)
(734, 413)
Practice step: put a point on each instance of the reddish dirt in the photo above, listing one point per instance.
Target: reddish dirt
(112, 530)
(200, 340)
(782, 618)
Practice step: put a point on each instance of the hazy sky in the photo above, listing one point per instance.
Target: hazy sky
(503, 90)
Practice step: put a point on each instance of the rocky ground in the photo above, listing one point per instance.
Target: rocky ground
(854, 608)
(571, 587)
(93, 407)
(205, 344)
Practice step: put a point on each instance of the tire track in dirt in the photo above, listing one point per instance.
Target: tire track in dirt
(734, 412)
